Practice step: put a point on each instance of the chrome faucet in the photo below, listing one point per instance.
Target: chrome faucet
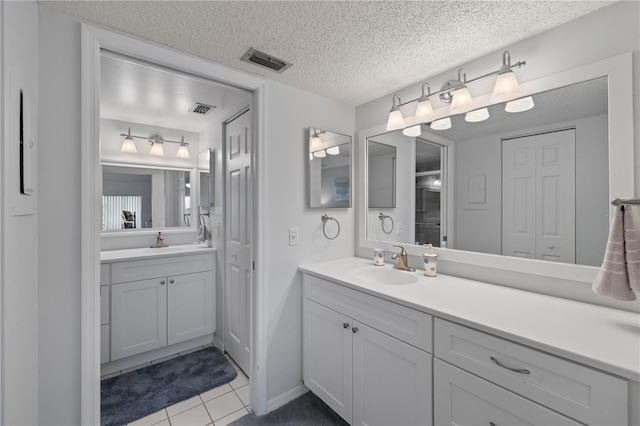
(402, 260)
(160, 241)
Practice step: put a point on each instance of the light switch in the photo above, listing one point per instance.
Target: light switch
(293, 236)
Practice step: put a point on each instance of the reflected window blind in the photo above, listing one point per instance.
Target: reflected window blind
(112, 207)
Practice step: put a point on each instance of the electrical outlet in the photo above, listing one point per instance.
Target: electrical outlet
(293, 236)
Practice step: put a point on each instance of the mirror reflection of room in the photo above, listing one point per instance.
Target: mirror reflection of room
(329, 169)
(561, 141)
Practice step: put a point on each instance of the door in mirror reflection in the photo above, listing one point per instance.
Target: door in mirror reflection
(430, 210)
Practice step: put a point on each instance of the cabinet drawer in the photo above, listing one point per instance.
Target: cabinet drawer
(155, 268)
(463, 399)
(588, 395)
(406, 324)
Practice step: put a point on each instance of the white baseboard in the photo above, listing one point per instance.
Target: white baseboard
(288, 396)
(218, 343)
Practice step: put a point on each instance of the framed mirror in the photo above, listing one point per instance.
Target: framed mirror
(206, 174)
(139, 198)
(478, 177)
(329, 169)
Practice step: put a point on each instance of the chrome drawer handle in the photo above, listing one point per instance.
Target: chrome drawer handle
(516, 370)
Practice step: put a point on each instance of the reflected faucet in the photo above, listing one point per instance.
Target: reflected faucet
(402, 260)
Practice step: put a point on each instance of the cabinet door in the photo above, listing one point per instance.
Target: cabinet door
(327, 356)
(138, 317)
(391, 380)
(190, 306)
(462, 399)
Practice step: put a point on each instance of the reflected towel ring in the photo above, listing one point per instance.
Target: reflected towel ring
(325, 218)
(383, 218)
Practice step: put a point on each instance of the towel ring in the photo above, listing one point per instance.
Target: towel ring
(325, 218)
(383, 218)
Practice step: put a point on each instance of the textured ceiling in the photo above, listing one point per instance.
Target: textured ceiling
(349, 51)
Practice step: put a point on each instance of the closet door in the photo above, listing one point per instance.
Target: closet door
(556, 196)
(519, 197)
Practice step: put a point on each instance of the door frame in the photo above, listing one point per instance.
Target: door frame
(93, 39)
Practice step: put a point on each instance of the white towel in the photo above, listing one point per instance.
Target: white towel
(632, 245)
(613, 278)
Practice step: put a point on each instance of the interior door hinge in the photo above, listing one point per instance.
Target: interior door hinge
(253, 265)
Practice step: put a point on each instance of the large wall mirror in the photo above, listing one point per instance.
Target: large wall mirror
(141, 198)
(329, 169)
(535, 184)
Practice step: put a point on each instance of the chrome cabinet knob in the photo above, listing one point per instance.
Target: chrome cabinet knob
(162, 282)
(170, 281)
(354, 329)
(345, 325)
(551, 246)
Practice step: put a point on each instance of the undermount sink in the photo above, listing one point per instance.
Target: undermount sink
(384, 275)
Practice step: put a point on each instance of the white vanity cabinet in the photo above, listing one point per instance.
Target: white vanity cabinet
(367, 358)
(578, 394)
(159, 301)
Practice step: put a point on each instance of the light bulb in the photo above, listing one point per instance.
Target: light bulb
(442, 124)
(396, 120)
(315, 143)
(320, 154)
(506, 86)
(461, 101)
(477, 115)
(424, 110)
(157, 149)
(520, 105)
(334, 150)
(412, 131)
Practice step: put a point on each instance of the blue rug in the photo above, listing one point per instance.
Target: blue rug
(137, 394)
(306, 410)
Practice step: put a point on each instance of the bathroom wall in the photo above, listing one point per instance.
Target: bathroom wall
(18, 230)
(289, 113)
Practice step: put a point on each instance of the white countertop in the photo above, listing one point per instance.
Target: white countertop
(111, 256)
(601, 337)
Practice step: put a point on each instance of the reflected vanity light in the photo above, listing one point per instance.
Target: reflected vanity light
(128, 144)
(520, 105)
(456, 93)
(413, 131)
(477, 115)
(334, 150)
(157, 144)
(320, 154)
(442, 124)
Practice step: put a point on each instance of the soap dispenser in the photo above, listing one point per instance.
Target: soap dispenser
(430, 261)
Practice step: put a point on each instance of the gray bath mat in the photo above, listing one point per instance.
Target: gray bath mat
(137, 394)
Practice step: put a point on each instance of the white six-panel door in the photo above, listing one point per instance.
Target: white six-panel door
(538, 196)
(238, 239)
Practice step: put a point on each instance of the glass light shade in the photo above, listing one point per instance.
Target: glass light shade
(316, 143)
(183, 151)
(506, 86)
(396, 120)
(128, 145)
(519, 105)
(477, 115)
(157, 149)
(462, 100)
(334, 150)
(412, 131)
(320, 154)
(424, 110)
(442, 124)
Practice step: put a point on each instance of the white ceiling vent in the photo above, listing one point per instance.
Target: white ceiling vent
(257, 57)
(199, 108)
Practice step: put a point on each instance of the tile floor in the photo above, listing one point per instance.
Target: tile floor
(219, 406)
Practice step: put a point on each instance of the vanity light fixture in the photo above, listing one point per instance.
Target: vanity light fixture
(157, 144)
(334, 150)
(316, 147)
(396, 120)
(320, 154)
(456, 93)
(520, 105)
(413, 131)
(128, 144)
(442, 124)
(477, 115)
